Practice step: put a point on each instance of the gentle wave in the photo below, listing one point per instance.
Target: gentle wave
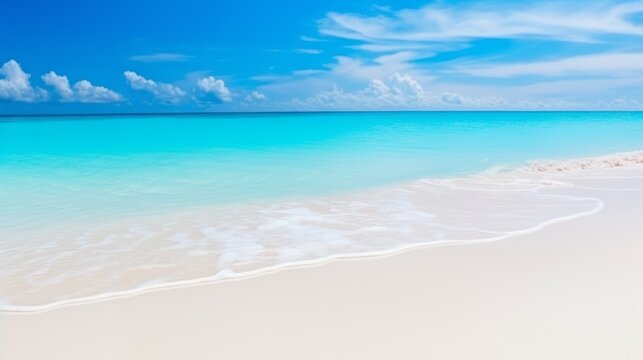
(92, 262)
(227, 276)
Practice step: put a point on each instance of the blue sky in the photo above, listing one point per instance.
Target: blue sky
(161, 56)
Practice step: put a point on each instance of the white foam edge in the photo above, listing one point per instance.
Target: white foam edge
(599, 162)
(227, 275)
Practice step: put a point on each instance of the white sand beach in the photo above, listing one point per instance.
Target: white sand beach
(572, 290)
(321, 180)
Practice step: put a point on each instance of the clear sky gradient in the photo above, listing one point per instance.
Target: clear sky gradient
(171, 56)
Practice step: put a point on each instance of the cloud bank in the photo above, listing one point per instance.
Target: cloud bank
(398, 91)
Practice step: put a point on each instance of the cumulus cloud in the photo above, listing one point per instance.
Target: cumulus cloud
(383, 95)
(387, 95)
(210, 86)
(255, 96)
(398, 91)
(87, 93)
(162, 91)
(83, 91)
(15, 85)
(60, 85)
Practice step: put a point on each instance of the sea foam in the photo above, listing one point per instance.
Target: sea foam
(599, 162)
(91, 261)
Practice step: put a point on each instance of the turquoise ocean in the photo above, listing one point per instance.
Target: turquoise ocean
(68, 184)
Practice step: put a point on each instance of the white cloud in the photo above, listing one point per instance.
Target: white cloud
(398, 91)
(214, 87)
(160, 57)
(605, 64)
(164, 92)
(88, 93)
(15, 85)
(382, 66)
(394, 41)
(60, 85)
(83, 91)
(460, 22)
(345, 72)
(255, 96)
(402, 91)
(452, 98)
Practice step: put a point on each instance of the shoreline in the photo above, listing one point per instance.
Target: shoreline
(568, 167)
(27, 310)
(569, 290)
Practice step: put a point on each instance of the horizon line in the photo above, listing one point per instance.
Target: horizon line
(301, 112)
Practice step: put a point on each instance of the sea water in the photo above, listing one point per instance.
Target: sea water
(99, 205)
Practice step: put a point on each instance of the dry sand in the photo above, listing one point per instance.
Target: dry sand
(573, 290)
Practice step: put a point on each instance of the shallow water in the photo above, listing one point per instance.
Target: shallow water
(101, 205)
